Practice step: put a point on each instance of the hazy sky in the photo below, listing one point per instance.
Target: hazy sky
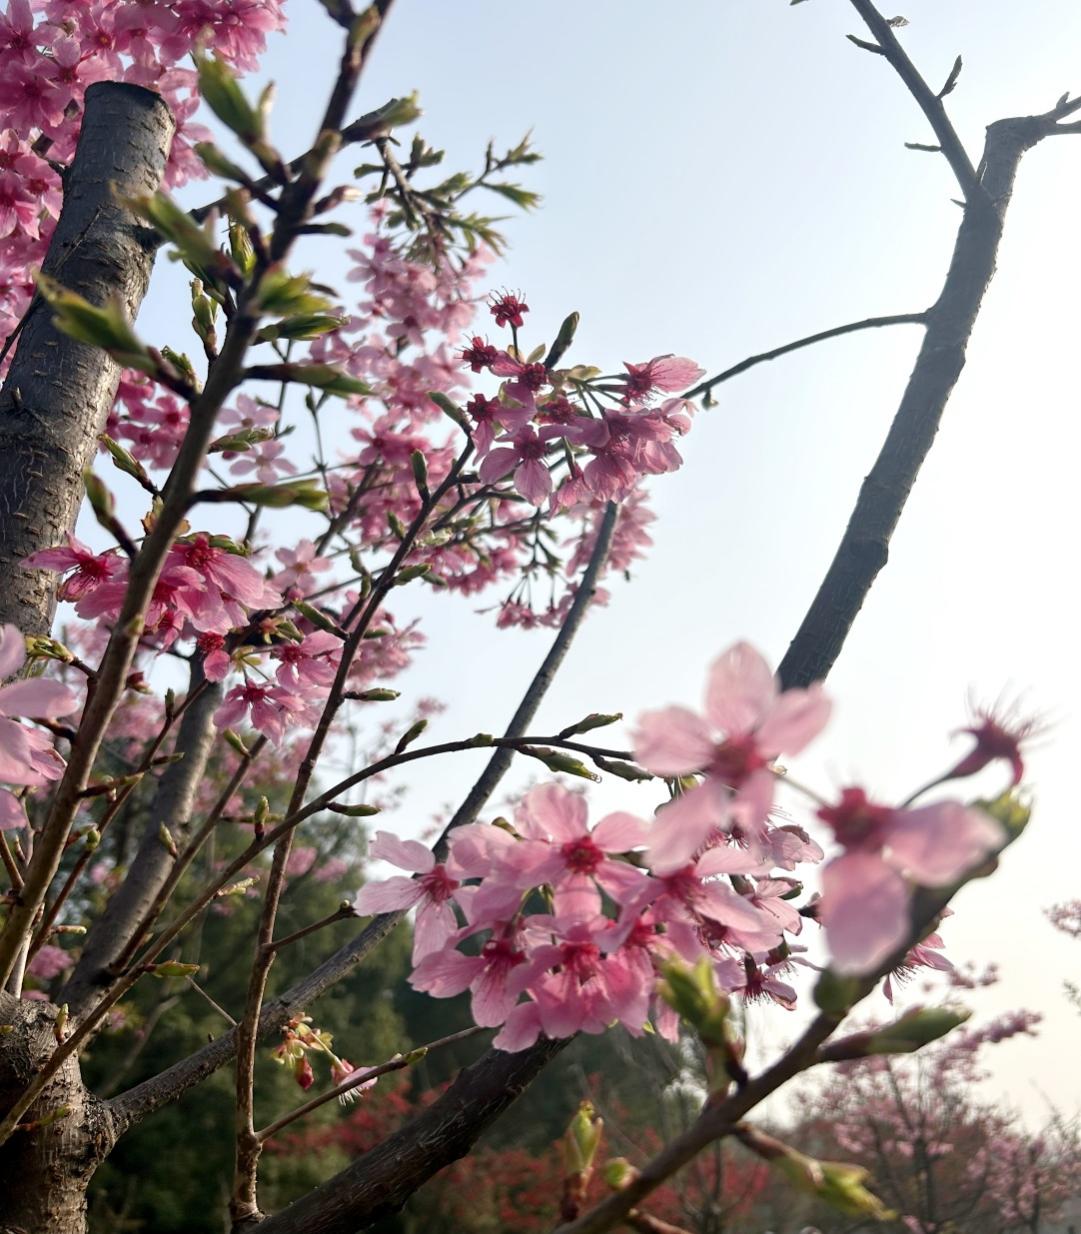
(719, 178)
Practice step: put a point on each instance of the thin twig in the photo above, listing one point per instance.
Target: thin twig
(930, 103)
(868, 323)
(373, 1073)
(340, 914)
(206, 997)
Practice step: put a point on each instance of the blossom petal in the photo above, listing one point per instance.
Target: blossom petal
(445, 973)
(521, 1030)
(12, 651)
(405, 854)
(387, 896)
(741, 690)
(864, 909)
(672, 742)
(12, 813)
(434, 926)
(620, 832)
(795, 720)
(16, 755)
(576, 899)
(42, 699)
(551, 811)
(682, 828)
(936, 844)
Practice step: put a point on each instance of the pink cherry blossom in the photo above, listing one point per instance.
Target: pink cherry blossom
(525, 457)
(83, 569)
(748, 723)
(667, 373)
(48, 962)
(865, 891)
(560, 850)
(26, 756)
(431, 893)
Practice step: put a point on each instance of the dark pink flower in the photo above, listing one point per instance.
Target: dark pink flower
(507, 309)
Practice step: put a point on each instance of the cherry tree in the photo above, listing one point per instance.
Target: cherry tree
(217, 652)
(943, 1158)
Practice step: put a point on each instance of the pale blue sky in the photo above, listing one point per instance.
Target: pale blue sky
(719, 178)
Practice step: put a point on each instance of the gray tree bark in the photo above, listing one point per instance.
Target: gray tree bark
(58, 392)
(53, 405)
(45, 1169)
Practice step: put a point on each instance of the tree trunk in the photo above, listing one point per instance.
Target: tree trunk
(58, 392)
(53, 405)
(45, 1170)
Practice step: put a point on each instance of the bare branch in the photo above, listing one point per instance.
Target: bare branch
(864, 547)
(868, 323)
(930, 103)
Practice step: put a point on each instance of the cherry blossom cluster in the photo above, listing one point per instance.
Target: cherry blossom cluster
(27, 756)
(558, 927)
(51, 51)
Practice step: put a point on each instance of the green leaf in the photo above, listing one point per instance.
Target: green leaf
(193, 243)
(308, 494)
(625, 771)
(410, 735)
(124, 461)
(325, 377)
(526, 199)
(107, 327)
(563, 340)
(217, 164)
(918, 1027)
(420, 473)
(304, 326)
(451, 409)
(219, 89)
(280, 294)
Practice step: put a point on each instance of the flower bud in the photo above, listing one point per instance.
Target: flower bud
(582, 1138)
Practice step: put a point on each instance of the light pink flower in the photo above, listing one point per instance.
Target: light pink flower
(667, 373)
(865, 891)
(525, 457)
(748, 723)
(12, 813)
(495, 977)
(431, 893)
(84, 569)
(26, 757)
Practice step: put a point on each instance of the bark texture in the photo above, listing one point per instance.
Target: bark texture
(58, 392)
(379, 1183)
(44, 1171)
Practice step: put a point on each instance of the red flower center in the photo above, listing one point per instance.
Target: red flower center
(582, 855)
(856, 821)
